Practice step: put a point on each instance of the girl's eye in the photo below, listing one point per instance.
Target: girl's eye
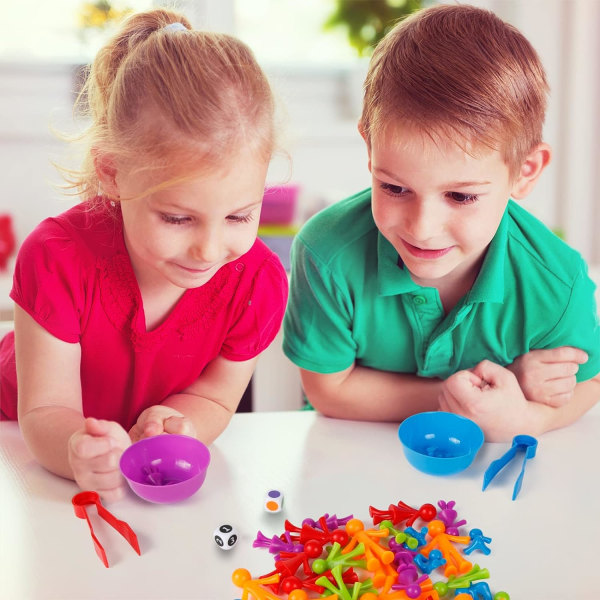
(463, 198)
(393, 190)
(241, 218)
(174, 219)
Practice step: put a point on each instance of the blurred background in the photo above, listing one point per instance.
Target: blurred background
(316, 54)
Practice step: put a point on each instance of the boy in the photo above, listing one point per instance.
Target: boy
(434, 289)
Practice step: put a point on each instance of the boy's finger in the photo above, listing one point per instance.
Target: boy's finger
(565, 354)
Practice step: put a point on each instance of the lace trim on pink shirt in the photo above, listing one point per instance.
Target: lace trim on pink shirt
(193, 315)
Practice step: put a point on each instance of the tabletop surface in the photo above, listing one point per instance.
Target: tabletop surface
(544, 544)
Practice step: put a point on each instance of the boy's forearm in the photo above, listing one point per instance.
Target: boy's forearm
(585, 396)
(371, 395)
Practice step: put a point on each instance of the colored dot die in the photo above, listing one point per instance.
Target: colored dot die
(274, 501)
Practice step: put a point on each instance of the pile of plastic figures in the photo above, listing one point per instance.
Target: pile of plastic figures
(342, 559)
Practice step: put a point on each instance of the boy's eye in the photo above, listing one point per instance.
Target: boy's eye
(463, 198)
(393, 190)
(174, 219)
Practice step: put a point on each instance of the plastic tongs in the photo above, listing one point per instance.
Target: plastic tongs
(520, 442)
(81, 501)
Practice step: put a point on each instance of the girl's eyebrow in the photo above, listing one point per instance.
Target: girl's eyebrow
(186, 209)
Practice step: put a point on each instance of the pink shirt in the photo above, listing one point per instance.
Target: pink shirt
(74, 277)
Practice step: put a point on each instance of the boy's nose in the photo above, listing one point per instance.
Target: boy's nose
(424, 221)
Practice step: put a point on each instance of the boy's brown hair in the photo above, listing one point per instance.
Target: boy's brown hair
(458, 72)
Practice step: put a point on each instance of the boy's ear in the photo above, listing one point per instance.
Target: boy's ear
(106, 171)
(364, 136)
(531, 169)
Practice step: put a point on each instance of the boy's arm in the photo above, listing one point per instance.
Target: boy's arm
(491, 396)
(365, 394)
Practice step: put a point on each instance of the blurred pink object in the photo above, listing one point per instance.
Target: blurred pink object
(279, 204)
(7, 240)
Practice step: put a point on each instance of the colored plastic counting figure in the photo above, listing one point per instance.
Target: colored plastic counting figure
(399, 513)
(448, 515)
(323, 535)
(335, 558)
(478, 542)
(400, 537)
(226, 536)
(356, 531)
(463, 581)
(427, 565)
(253, 588)
(274, 501)
(455, 563)
(342, 591)
(276, 544)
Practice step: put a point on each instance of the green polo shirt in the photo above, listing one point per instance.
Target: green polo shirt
(351, 302)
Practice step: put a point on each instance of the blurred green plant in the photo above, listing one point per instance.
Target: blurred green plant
(367, 21)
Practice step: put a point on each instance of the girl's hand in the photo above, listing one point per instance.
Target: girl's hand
(94, 454)
(548, 376)
(161, 419)
(491, 396)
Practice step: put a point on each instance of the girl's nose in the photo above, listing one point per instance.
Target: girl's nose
(207, 249)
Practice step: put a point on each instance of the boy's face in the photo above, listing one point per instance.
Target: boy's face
(437, 205)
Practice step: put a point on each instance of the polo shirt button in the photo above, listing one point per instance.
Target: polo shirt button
(419, 300)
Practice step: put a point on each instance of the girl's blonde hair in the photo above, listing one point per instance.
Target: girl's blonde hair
(458, 72)
(162, 95)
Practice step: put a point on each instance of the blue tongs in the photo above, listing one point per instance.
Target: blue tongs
(520, 442)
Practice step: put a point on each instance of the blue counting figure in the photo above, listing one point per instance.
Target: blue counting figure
(479, 591)
(478, 542)
(419, 536)
(427, 565)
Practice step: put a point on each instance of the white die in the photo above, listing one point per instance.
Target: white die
(274, 501)
(226, 536)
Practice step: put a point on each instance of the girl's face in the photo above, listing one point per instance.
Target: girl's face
(182, 235)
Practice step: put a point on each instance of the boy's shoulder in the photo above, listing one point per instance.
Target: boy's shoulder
(346, 226)
(540, 248)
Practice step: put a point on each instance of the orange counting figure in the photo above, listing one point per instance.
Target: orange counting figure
(376, 554)
(428, 592)
(253, 588)
(441, 540)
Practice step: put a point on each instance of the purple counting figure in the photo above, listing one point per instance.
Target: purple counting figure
(448, 515)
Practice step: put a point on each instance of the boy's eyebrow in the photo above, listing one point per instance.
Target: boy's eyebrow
(451, 184)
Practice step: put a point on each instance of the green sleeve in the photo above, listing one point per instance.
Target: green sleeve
(579, 326)
(317, 328)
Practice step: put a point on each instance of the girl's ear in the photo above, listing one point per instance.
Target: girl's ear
(106, 171)
(531, 169)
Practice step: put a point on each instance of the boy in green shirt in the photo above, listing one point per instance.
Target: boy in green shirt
(434, 289)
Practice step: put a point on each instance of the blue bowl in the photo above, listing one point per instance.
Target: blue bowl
(440, 443)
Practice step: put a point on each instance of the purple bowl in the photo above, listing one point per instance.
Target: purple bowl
(165, 468)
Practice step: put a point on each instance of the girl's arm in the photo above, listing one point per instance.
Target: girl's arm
(49, 392)
(207, 405)
(366, 394)
(50, 412)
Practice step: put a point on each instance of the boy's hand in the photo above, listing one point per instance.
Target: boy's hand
(548, 376)
(161, 419)
(491, 396)
(94, 454)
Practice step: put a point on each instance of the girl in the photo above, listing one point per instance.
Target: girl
(142, 310)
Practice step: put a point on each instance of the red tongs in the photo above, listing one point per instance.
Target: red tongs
(81, 501)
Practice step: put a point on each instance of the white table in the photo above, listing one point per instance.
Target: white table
(545, 544)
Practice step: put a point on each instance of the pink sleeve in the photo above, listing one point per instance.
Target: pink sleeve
(261, 318)
(48, 282)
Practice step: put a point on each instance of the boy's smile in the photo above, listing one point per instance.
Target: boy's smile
(437, 205)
